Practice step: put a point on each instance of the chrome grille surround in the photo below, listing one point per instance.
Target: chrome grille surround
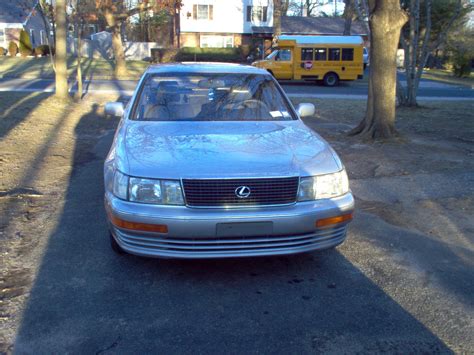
(222, 192)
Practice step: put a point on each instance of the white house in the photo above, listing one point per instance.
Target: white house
(223, 23)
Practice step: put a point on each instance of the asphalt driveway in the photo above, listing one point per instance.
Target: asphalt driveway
(402, 283)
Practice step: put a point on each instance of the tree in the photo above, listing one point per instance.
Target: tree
(117, 12)
(427, 29)
(61, 50)
(46, 13)
(279, 9)
(386, 20)
(80, 12)
(304, 7)
(349, 16)
(461, 50)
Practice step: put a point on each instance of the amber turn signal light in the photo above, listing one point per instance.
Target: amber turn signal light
(325, 222)
(144, 227)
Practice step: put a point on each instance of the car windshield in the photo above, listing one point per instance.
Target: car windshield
(211, 97)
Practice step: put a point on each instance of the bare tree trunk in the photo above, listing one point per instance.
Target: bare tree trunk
(277, 4)
(61, 51)
(47, 28)
(386, 21)
(349, 16)
(117, 46)
(78, 94)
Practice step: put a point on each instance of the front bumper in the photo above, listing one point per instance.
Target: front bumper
(192, 232)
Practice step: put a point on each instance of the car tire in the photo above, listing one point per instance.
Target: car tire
(114, 245)
(331, 79)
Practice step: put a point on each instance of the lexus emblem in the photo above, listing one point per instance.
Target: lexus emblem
(242, 192)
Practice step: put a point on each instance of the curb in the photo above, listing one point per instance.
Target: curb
(51, 77)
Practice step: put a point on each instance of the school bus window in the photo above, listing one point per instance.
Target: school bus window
(306, 53)
(348, 54)
(334, 54)
(320, 54)
(284, 55)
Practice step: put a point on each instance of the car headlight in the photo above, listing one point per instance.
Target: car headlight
(152, 191)
(323, 186)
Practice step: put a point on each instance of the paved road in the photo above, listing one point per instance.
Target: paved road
(356, 90)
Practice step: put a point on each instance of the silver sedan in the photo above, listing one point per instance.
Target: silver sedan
(213, 161)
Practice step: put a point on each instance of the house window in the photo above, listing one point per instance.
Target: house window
(348, 54)
(43, 37)
(32, 37)
(211, 41)
(202, 12)
(2, 37)
(334, 54)
(257, 13)
(320, 54)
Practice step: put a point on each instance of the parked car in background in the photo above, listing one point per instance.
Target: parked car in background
(366, 57)
(213, 161)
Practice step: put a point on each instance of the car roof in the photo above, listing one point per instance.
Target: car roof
(203, 67)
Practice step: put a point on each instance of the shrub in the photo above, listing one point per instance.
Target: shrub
(3, 51)
(191, 54)
(461, 62)
(245, 49)
(187, 54)
(163, 55)
(25, 44)
(42, 50)
(12, 49)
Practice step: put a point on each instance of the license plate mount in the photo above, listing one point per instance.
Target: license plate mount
(244, 229)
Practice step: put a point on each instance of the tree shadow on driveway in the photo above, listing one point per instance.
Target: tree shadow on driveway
(87, 299)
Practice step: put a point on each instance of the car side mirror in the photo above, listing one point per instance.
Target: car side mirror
(305, 109)
(114, 109)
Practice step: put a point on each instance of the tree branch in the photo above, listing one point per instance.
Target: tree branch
(443, 34)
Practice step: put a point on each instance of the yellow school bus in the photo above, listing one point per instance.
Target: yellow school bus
(326, 58)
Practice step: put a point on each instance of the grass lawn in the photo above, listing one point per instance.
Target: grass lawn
(446, 119)
(447, 76)
(41, 67)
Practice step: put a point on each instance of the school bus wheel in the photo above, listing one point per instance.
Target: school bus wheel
(331, 79)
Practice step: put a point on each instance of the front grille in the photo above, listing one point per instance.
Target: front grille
(221, 192)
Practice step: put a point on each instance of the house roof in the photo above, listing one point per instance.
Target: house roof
(303, 25)
(15, 11)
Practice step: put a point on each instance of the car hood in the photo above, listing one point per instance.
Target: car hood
(223, 149)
